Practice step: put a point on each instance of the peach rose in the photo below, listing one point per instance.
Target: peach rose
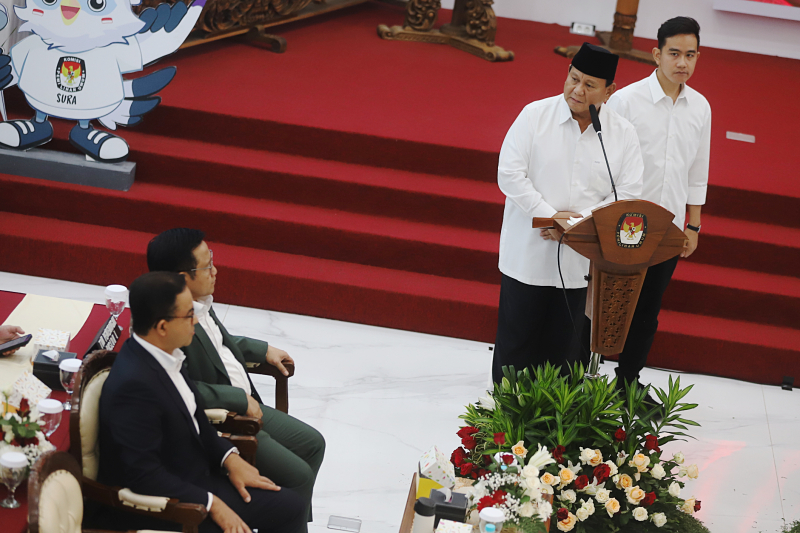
(566, 476)
(519, 450)
(597, 459)
(635, 495)
(568, 523)
(640, 461)
(612, 507)
(688, 506)
(548, 479)
(692, 471)
(624, 481)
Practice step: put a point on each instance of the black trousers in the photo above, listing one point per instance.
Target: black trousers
(534, 326)
(644, 324)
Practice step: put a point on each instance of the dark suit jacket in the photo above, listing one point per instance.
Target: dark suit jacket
(205, 367)
(148, 442)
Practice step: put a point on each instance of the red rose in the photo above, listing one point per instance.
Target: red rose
(487, 459)
(469, 442)
(696, 505)
(562, 514)
(458, 456)
(620, 435)
(581, 482)
(649, 499)
(499, 438)
(601, 472)
(467, 431)
(482, 472)
(651, 443)
(558, 454)
(486, 501)
(499, 496)
(508, 459)
(24, 407)
(474, 474)
(466, 468)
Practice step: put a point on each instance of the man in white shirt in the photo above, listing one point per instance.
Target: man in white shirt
(290, 452)
(155, 437)
(673, 123)
(552, 165)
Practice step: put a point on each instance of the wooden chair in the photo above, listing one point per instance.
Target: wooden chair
(84, 429)
(55, 499)
(234, 423)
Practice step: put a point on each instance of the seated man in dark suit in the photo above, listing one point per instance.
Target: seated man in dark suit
(289, 452)
(154, 436)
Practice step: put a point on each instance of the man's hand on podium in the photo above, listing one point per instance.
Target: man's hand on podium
(552, 234)
(691, 246)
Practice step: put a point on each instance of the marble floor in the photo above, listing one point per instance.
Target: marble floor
(382, 397)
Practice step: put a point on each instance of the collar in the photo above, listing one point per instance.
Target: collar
(564, 112)
(203, 306)
(658, 93)
(170, 362)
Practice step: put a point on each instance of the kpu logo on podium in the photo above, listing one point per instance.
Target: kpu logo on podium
(631, 230)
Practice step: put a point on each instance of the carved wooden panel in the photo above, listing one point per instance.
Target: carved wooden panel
(615, 297)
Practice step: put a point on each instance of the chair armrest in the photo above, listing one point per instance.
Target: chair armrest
(229, 422)
(281, 382)
(267, 369)
(246, 445)
(189, 515)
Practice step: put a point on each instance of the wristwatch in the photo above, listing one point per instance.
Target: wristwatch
(693, 228)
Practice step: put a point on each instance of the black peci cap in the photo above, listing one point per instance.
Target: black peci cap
(596, 62)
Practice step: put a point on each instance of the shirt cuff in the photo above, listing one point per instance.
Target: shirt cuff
(210, 501)
(543, 210)
(697, 195)
(224, 457)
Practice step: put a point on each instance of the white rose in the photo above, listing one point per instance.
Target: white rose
(587, 454)
(658, 471)
(588, 505)
(532, 484)
(659, 519)
(692, 471)
(678, 458)
(547, 489)
(526, 509)
(582, 514)
(682, 472)
(602, 495)
(675, 489)
(530, 472)
(613, 468)
(640, 514)
(567, 496)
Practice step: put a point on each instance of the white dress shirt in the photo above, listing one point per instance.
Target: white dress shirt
(236, 372)
(172, 365)
(675, 140)
(547, 165)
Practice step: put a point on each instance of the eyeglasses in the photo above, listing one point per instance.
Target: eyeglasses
(210, 263)
(190, 316)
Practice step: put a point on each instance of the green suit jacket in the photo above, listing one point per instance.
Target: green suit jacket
(206, 369)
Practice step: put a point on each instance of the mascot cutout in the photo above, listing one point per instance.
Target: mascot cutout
(71, 67)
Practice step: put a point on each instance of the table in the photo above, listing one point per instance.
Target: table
(16, 520)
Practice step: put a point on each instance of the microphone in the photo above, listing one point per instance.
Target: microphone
(596, 124)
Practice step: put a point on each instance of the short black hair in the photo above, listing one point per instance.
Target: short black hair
(678, 26)
(152, 298)
(171, 251)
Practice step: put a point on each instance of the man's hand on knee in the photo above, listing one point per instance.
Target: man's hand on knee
(253, 408)
(242, 475)
(226, 519)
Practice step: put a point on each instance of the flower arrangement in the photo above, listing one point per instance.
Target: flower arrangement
(20, 430)
(606, 471)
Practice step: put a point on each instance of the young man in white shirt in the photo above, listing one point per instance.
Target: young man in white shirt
(673, 123)
(552, 165)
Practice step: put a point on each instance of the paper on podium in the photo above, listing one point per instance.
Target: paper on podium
(35, 312)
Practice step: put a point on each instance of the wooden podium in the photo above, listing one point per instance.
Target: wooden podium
(621, 239)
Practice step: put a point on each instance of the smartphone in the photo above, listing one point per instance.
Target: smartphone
(353, 525)
(16, 343)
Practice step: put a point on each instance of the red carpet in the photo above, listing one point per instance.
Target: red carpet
(354, 178)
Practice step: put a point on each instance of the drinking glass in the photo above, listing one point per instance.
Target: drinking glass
(50, 414)
(116, 296)
(67, 370)
(12, 472)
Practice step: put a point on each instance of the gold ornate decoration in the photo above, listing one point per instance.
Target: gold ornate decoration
(472, 28)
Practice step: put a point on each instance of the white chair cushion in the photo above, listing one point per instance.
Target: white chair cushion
(142, 501)
(90, 423)
(60, 504)
(216, 416)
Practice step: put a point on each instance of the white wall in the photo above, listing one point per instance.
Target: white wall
(719, 29)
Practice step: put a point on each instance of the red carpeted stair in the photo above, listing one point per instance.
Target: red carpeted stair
(354, 178)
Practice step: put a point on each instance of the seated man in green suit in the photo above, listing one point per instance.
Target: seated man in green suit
(289, 452)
